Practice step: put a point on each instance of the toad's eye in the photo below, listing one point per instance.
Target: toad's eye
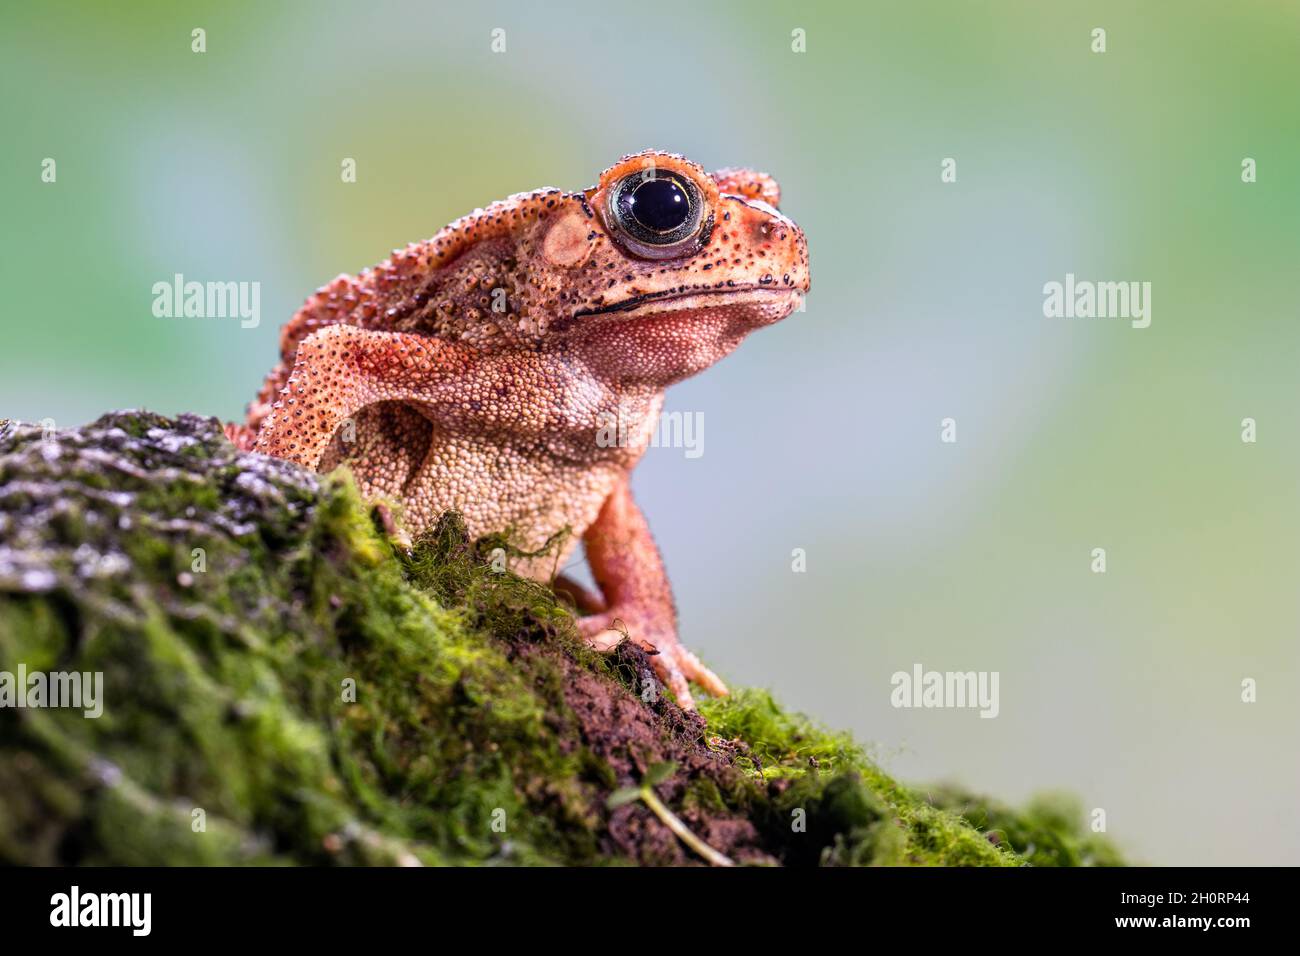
(658, 212)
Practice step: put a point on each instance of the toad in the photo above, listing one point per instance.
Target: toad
(481, 370)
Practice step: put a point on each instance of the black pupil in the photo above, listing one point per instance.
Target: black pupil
(660, 204)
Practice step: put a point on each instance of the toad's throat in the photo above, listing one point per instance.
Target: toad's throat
(683, 299)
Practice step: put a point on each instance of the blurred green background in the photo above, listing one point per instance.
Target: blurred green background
(823, 432)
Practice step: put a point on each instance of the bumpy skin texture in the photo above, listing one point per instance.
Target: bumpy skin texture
(486, 369)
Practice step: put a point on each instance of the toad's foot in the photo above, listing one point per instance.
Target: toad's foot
(674, 664)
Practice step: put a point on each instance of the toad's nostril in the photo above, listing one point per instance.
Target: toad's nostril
(764, 230)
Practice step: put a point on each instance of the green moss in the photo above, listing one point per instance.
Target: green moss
(855, 812)
(1051, 830)
(276, 670)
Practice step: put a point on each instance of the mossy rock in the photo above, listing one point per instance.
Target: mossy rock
(282, 684)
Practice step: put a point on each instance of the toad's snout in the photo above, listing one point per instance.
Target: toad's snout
(763, 242)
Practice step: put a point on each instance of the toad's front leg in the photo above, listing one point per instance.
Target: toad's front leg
(340, 370)
(626, 564)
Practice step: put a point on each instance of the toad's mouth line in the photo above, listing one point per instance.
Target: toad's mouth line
(677, 300)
